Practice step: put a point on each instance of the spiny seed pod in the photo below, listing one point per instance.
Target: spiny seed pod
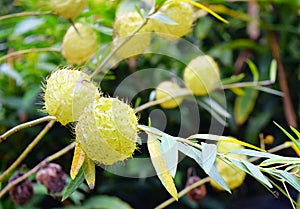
(68, 8)
(107, 130)
(202, 75)
(79, 44)
(124, 26)
(22, 192)
(67, 93)
(232, 175)
(166, 89)
(52, 177)
(178, 11)
(197, 194)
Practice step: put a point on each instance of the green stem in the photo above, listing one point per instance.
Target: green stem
(25, 51)
(25, 14)
(36, 168)
(27, 150)
(183, 192)
(183, 92)
(246, 84)
(115, 49)
(25, 125)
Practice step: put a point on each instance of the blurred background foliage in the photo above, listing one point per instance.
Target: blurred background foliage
(21, 78)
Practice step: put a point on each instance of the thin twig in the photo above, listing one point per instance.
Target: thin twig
(182, 93)
(288, 107)
(26, 51)
(116, 48)
(25, 125)
(183, 192)
(288, 194)
(246, 84)
(27, 150)
(36, 168)
(25, 14)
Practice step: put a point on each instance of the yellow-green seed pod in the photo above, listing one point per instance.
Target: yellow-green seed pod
(67, 93)
(124, 26)
(79, 46)
(68, 8)
(232, 175)
(178, 11)
(166, 89)
(107, 131)
(202, 75)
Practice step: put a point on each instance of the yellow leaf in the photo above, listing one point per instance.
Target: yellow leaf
(77, 161)
(245, 144)
(160, 166)
(238, 91)
(201, 6)
(89, 172)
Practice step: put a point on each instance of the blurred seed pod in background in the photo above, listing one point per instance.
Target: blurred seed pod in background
(22, 192)
(52, 177)
(197, 194)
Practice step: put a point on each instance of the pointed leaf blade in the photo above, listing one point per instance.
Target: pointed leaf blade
(209, 154)
(160, 166)
(77, 161)
(89, 172)
(73, 185)
(170, 151)
(216, 176)
(291, 179)
(256, 173)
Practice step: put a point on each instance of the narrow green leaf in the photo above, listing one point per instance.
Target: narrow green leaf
(209, 154)
(254, 153)
(273, 70)
(224, 139)
(196, 155)
(295, 131)
(244, 105)
(163, 18)
(233, 79)
(191, 152)
(291, 179)
(289, 135)
(281, 160)
(253, 69)
(169, 148)
(106, 202)
(159, 3)
(256, 173)
(138, 10)
(73, 185)
(215, 175)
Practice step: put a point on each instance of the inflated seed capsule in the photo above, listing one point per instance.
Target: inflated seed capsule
(67, 92)
(107, 131)
(68, 8)
(232, 175)
(79, 43)
(124, 26)
(202, 75)
(178, 11)
(168, 89)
